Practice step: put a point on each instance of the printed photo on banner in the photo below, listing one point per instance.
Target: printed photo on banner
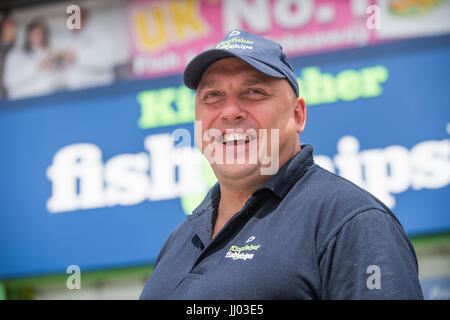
(42, 55)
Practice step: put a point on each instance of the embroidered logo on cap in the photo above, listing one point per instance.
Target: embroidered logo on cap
(234, 33)
(235, 43)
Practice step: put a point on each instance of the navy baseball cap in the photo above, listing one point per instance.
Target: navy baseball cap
(264, 55)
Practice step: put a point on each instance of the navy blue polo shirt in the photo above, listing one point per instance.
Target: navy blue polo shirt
(305, 234)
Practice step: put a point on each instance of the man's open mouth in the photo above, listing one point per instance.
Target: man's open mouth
(236, 138)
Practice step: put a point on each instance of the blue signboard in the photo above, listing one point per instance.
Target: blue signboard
(99, 178)
(436, 288)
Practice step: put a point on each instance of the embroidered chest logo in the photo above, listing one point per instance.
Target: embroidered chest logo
(242, 253)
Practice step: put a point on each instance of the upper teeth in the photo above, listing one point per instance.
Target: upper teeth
(236, 137)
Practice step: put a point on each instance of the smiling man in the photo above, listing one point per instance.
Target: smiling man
(274, 226)
(234, 99)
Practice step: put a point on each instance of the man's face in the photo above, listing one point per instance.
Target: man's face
(233, 99)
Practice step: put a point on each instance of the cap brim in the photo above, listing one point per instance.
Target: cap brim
(195, 69)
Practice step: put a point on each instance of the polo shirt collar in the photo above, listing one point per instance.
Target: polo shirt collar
(290, 173)
(203, 217)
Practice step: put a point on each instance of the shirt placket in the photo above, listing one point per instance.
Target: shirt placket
(228, 229)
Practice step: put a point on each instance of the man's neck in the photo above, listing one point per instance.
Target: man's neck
(234, 193)
(232, 199)
(231, 202)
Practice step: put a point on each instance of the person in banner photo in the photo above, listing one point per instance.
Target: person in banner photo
(91, 54)
(30, 69)
(276, 225)
(65, 59)
(8, 32)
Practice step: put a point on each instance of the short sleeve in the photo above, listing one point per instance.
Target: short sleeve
(369, 257)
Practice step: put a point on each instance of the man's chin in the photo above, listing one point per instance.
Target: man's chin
(236, 171)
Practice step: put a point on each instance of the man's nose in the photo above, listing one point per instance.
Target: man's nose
(233, 111)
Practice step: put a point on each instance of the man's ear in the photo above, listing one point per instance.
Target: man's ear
(300, 114)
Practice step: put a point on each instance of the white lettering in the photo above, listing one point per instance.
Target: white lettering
(126, 179)
(73, 281)
(374, 280)
(394, 169)
(255, 14)
(74, 20)
(76, 176)
(374, 20)
(347, 160)
(386, 170)
(431, 165)
(173, 168)
(164, 162)
(359, 7)
(291, 14)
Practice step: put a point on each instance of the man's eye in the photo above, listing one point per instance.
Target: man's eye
(254, 93)
(211, 96)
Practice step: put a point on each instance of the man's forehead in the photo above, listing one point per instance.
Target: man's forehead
(231, 66)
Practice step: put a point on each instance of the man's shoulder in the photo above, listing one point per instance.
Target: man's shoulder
(335, 192)
(330, 201)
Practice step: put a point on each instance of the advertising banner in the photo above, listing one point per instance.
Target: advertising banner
(67, 47)
(99, 178)
(165, 35)
(436, 288)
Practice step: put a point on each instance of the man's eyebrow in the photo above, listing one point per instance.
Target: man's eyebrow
(206, 83)
(253, 81)
(247, 82)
